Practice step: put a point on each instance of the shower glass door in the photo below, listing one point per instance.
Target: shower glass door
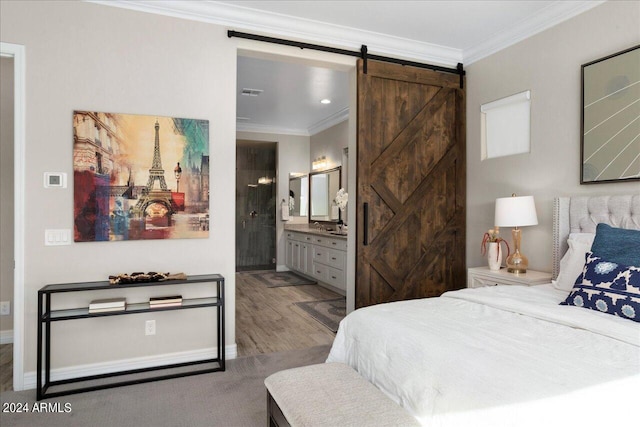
(255, 206)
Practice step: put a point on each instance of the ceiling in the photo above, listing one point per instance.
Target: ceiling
(437, 32)
(290, 99)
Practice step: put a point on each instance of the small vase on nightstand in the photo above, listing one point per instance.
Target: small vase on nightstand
(494, 256)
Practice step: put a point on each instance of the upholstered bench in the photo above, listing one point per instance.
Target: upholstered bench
(330, 394)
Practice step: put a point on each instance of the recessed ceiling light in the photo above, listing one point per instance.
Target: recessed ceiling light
(325, 101)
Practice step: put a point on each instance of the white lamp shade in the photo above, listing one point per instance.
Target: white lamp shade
(515, 212)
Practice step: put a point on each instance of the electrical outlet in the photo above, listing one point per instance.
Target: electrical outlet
(150, 327)
(5, 308)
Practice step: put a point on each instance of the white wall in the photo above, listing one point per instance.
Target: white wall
(6, 189)
(549, 65)
(97, 58)
(292, 156)
(330, 143)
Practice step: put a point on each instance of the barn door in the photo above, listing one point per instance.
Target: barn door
(411, 183)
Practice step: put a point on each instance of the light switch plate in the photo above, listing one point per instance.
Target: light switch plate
(5, 308)
(57, 237)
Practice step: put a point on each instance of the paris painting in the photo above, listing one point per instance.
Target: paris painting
(139, 177)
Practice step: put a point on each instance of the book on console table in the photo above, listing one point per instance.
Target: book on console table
(166, 304)
(165, 300)
(105, 310)
(100, 304)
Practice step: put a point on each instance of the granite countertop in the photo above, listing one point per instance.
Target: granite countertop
(310, 229)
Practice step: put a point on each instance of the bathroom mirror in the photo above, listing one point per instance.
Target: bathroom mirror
(298, 194)
(323, 189)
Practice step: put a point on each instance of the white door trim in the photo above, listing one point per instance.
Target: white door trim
(17, 52)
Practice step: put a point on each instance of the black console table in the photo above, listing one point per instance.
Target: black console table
(46, 316)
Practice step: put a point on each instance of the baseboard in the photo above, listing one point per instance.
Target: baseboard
(282, 267)
(231, 352)
(6, 337)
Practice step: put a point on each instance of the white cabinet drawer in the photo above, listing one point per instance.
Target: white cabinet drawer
(478, 282)
(482, 276)
(298, 237)
(319, 271)
(328, 242)
(330, 257)
(336, 278)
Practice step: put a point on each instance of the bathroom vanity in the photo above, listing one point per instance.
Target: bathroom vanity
(318, 254)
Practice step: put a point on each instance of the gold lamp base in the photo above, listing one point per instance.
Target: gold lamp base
(516, 262)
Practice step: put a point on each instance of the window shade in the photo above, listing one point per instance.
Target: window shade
(506, 126)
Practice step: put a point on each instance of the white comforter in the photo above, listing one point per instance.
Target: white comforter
(498, 356)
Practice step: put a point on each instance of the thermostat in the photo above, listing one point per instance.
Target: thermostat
(55, 180)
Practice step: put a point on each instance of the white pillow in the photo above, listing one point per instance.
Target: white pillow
(572, 262)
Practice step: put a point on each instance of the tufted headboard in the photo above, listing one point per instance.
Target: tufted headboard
(581, 215)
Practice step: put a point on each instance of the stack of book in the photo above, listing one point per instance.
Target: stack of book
(106, 305)
(170, 301)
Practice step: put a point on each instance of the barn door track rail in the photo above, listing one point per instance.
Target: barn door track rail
(363, 53)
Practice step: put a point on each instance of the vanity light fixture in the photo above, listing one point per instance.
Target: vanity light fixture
(319, 163)
(325, 101)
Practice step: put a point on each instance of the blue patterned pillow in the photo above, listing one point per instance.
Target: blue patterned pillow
(617, 244)
(607, 287)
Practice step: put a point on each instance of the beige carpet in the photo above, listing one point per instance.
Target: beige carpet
(236, 397)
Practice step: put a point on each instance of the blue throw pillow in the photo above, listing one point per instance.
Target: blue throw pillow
(617, 244)
(607, 287)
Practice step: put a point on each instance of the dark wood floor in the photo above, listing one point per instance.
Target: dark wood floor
(268, 321)
(6, 367)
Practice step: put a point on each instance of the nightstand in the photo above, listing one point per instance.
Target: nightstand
(482, 276)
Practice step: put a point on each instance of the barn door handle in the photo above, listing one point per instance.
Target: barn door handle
(365, 232)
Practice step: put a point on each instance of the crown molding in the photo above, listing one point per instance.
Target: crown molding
(548, 17)
(274, 24)
(330, 121)
(258, 128)
(326, 123)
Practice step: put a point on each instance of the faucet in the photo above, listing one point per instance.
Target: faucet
(318, 226)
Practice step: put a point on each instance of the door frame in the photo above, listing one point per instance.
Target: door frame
(262, 50)
(17, 52)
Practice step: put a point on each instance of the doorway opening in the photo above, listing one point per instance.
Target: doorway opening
(17, 53)
(306, 107)
(6, 220)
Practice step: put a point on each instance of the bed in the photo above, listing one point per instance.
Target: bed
(506, 355)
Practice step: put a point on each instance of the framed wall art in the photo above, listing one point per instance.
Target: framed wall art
(610, 128)
(139, 177)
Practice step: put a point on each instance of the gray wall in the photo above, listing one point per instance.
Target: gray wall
(86, 56)
(91, 57)
(329, 143)
(6, 189)
(548, 64)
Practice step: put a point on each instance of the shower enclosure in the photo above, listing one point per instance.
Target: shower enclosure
(255, 205)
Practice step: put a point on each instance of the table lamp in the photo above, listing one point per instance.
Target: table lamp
(516, 212)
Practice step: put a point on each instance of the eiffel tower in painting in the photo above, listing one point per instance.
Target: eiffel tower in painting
(156, 173)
